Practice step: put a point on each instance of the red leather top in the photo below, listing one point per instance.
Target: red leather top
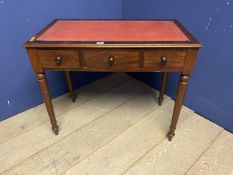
(110, 30)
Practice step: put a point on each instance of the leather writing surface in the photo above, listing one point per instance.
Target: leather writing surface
(110, 30)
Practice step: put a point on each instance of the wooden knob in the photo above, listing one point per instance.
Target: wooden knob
(111, 61)
(163, 60)
(58, 61)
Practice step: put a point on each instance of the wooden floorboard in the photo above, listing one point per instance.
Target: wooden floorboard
(115, 127)
(218, 159)
(115, 157)
(31, 118)
(29, 143)
(192, 138)
(85, 141)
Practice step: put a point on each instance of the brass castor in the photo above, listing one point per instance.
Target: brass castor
(160, 101)
(170, 135)
(73, 97)
(55, 130)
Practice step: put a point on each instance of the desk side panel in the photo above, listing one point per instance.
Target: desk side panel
(32, 54)
(190, 60)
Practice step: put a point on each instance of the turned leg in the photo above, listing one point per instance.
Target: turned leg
(178, 104)
(48, 103)
(163, 87)
(70, 86)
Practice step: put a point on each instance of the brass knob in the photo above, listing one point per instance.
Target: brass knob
(111, 60)
(58, 60)
(163, 60)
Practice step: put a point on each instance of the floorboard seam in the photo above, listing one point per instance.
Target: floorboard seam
(58, 115)
(72, 132)
(140, 158)
(146, 115)
(207, 148)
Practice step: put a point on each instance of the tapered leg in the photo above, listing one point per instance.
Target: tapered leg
(70, 86)
(163, 87)
(48, 103)
(178, 104)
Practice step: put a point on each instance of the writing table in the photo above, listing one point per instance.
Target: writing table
(114, 46)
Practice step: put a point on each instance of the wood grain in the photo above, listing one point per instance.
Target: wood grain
(48, 101)
(99, 59)
(117, 155)
(122, 140)
(31, 118)
(193, 137)
(110, 55)
(70, 86)
(70, 58)
(39, 138)
(190, 60)
(183, 83)
(72, 149)
(175, 58)
(162, 87)
(218, 159)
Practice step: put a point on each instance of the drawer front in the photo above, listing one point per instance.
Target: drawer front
(58, 58)
(103, 59)
(164, 59)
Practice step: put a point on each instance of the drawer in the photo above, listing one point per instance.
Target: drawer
(104, 59)
(169, 59)
(58, 58)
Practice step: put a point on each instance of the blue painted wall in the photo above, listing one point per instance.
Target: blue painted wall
(210, 90)
(19, 20)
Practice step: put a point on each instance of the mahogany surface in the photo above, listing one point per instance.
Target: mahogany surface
(70, 58)
(122, 59)
(114, 46)
(163, 87)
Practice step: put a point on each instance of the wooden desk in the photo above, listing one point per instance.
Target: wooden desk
(114, 46)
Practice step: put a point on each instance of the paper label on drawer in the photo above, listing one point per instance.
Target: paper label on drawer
(100, 43)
